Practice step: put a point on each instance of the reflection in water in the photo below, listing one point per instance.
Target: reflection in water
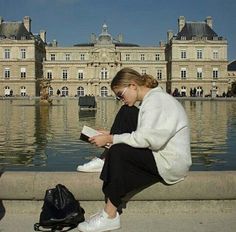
(34, 137)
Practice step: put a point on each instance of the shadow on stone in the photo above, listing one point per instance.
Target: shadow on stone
(2, 208)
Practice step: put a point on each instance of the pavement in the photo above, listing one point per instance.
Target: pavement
(140, 216)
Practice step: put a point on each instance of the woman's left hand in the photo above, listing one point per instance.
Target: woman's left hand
(101, 140)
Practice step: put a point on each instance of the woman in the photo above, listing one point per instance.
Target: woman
(158, 150)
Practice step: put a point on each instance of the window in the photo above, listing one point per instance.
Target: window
(183, 73)
(64, 91)
(22, 72)
(50, 91)
(23, 53)
(22, 91)
(199, 91)
(7, 73)
(7, 91)
(127, 57)
(7, 53)
(49, 75)
(199, 53)
(199, 73)
(80, 75)
(159, 74)
(142, 56)
(82, 56)
(64, 74)
(183, 54)
(80, 91)
(67, 57)
(183, 91)
(215, 54)
(104, 74)
(104, 91)
(157, 56)
(143, 71)
(53, 57)
(215, 73)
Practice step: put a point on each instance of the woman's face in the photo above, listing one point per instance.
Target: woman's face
(127, 94)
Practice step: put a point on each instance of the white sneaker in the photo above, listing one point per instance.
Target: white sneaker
(95, 165)
(100, 222)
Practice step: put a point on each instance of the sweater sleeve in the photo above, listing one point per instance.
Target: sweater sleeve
(157, 124)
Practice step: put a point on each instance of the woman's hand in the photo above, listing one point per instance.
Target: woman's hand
(101, 140)
(104, 132)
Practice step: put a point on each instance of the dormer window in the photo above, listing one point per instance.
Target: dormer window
(23, 37)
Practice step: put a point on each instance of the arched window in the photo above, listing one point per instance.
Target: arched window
(183, 91)
(104, 91)
(7, 91)
(23, 91)
(80, 91)
(199, 91)
(64, 91)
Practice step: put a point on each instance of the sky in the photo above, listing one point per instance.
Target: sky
(143, 22)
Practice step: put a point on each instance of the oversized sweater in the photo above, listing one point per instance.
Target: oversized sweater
(163, 128)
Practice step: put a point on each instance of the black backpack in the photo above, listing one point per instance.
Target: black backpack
(60, 211)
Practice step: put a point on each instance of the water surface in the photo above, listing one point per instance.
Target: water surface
(34, 137)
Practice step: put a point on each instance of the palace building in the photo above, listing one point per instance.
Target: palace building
(192, 61)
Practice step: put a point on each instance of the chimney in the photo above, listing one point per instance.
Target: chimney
(120, 38)
(54, 43)
(27, 23)
(161, 44)
(209, 21)
(170, 35)
(181, 23)
(43, 35)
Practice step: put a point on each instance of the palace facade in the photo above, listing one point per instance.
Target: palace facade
(192, 61)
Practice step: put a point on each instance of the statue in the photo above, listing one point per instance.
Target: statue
(44, 95)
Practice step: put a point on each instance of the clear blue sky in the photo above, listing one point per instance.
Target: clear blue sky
(144, 22)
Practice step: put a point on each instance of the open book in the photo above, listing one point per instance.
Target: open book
(88, 132)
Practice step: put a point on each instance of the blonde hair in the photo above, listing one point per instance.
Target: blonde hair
(125, 75)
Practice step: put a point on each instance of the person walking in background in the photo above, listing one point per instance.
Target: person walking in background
(157, 150)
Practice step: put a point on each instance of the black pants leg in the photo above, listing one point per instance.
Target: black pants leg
(125, 122)
(126, 168)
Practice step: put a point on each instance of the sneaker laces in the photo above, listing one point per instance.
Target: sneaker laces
(95, 217)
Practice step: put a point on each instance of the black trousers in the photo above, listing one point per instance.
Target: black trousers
(127, 169)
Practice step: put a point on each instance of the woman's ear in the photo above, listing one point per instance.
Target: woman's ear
(133, 84)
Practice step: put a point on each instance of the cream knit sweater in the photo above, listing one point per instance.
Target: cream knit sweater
(163, 128)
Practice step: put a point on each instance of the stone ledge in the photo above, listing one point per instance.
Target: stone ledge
(212, 185)
(132, 207)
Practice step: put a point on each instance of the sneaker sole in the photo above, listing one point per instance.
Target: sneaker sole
(91, 170)
(102, 230)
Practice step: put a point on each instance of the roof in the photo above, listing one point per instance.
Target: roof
(115, 43)
(14, 30)
(232, 66)
(105, 39)
(196, 29)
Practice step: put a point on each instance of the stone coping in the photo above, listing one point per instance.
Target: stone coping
(198, 185)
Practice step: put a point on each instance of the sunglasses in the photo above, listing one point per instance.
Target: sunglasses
(120, 96)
